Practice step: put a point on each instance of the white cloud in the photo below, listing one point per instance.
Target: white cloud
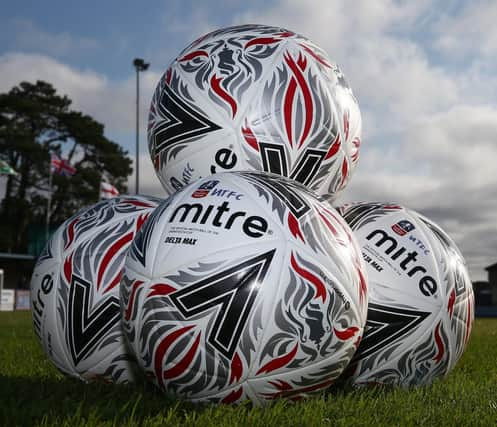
(149, 183)
(110, 102)
(28, 36)
(469, 33)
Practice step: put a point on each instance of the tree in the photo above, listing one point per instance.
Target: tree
(34, 122)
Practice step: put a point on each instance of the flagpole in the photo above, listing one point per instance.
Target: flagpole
(49, 202)
(99, 193)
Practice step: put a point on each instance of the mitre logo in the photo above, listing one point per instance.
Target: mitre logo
(220, 215)
(408, 261)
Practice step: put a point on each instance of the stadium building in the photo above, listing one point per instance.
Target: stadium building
(486, 293)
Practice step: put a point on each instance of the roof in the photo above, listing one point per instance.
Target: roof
(491, 267)
(8, 255)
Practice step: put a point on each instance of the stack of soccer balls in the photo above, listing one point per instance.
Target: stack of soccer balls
(245, 283)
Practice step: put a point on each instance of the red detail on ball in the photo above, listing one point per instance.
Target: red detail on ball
(138, 203)
(293, 225)
(328, 223)
(450, 305)
(183, 364)
(279, 362)
(160, 289)
(219, 90)
(249, 137)
(287, 109)
(141, 219)
(296, 394)
(68, 268)
(310, 277)
(346, 125)
(468, 322)
(440, 345)
(306, 93)
(114, 282)
(168, 76)
(193, 55)
(345, 172)
(316, 56)
(70, 232)
(236, 369)
(364, 286)
(334, 148)
(346, 334)
(356, 142)
(262, 40)
(163, 347)
(233, 396)
(131, 301)
(285, 34)
(110, 254)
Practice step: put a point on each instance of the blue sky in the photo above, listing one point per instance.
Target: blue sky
(423, 73)
(105, 36)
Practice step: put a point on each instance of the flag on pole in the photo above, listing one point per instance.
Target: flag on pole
(6, 169)
(107, 190)
(61, 166)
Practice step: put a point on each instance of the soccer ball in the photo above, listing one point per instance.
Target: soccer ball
(254, 97)
(243, 286)
(75, 289)
(421, 303)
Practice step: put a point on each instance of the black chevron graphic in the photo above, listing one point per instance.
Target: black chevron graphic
(138, 248)
(384, 326)
(234, 290)
(308, 166)
(284, 190)
(86, 327)
(181, 122)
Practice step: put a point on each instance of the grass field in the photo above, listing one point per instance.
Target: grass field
(33, 393)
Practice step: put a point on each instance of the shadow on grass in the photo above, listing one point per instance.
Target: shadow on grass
(27, 401)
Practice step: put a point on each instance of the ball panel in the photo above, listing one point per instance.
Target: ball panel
(305, 382)
(458, 290)
(197, 159)
(44, 285)
(199, 324)
(139, 258)
(132, 287)
(413, 333)
(82, 319)
(312, 333)
(254, 277)
(395, 245)
(289, 108)
(211, 213)
(296, 127)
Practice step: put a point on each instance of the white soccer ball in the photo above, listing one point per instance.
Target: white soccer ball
(254, 97)
(244, 286)
(75, 289)
(421, 303)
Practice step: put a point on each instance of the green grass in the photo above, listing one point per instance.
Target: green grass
(33, 393)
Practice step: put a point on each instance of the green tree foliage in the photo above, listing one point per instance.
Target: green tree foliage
(34, 122)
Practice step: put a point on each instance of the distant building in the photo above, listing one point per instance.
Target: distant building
(483, 293)
(486, 294)
(492, 280)
(17, 269)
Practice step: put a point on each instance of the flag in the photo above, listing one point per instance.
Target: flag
(61, 166)
(108, 191)
(6, 169)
